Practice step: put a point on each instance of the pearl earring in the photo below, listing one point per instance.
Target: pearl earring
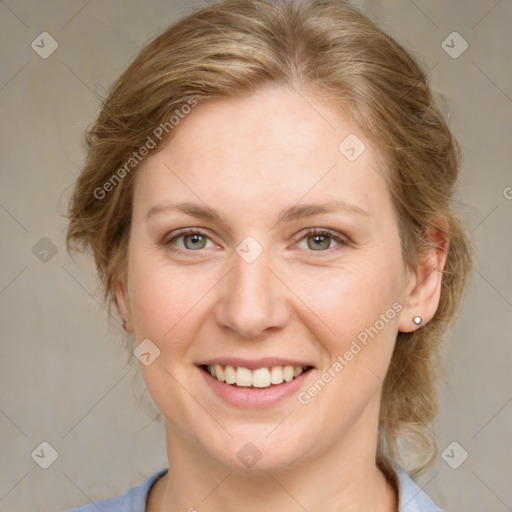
(417, 320)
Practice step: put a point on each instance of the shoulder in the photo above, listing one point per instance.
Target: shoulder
(411, 496)
(133, 500)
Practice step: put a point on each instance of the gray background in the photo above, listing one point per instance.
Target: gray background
(63, 372)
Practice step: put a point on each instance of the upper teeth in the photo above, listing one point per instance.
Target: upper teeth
(260, 378)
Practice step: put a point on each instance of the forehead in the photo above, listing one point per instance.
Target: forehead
(275, 146)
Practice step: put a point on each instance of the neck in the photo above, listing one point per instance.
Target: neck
(344, 477)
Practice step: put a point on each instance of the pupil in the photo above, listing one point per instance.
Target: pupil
(319, 239)
(195, 239)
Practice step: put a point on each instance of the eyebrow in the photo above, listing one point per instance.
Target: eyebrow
(290, 214)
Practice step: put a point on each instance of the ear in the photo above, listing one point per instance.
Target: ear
(123, 303)
(423, 290)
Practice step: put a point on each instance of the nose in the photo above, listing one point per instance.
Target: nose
(252, 299)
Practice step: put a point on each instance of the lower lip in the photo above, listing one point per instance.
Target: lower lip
(254, 397)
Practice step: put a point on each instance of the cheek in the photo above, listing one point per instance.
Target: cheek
(358, 312)
(349, 298)
(165, 300)
(358, 308)
(166, 304)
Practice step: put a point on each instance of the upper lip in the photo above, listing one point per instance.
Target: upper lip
(254, 364)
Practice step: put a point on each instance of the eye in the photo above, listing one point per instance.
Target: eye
(192, 240)
(319, 240)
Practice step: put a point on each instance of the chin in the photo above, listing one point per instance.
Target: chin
(257, 452)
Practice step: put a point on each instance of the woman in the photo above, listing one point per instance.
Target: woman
(267, 198)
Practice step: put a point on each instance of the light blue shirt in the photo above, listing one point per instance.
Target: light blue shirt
(411, 497)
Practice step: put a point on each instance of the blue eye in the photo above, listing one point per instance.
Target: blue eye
(322, 239)
(194, 240)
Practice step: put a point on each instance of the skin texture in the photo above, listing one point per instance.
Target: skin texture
(249, 159)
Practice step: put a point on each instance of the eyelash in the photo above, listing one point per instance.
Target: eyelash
(306, 234)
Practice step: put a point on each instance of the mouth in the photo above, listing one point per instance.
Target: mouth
(264, 377)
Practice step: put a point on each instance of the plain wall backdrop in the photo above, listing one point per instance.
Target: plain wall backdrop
(63, 374)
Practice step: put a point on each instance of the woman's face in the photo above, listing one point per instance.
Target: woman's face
(257, 290)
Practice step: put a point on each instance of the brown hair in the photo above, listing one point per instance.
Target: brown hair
(237, 46)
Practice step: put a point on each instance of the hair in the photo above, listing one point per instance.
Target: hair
(326, 47)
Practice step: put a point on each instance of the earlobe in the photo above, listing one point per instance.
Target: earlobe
(424, 285)
(123, 305)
